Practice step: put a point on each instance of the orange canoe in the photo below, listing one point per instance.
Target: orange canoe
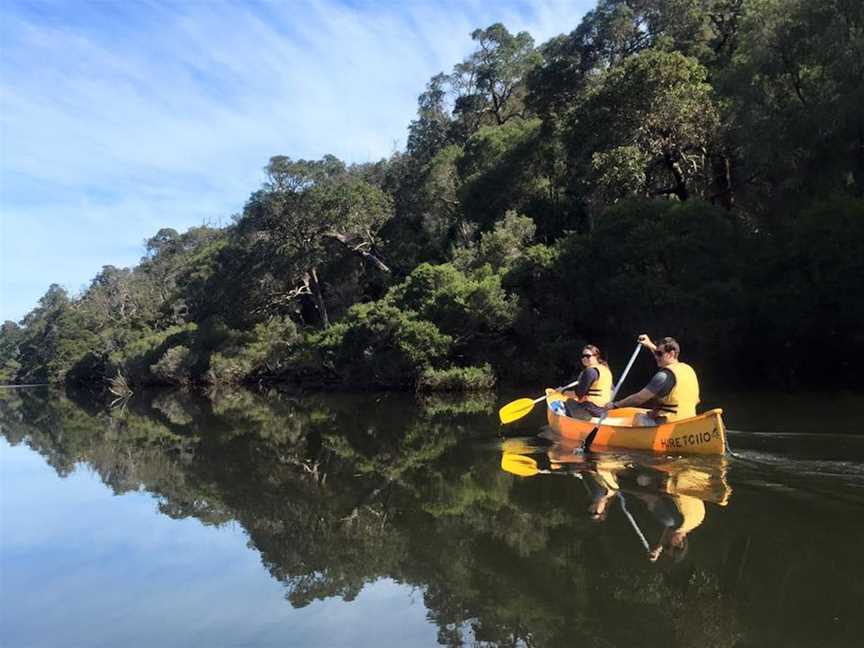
(704, 434)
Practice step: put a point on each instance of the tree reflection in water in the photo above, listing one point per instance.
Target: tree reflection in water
(339, 491)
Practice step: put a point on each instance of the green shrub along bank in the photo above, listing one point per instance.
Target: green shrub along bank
(691, 173)
(456, 379)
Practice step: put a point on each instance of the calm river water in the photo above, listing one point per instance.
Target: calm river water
(267, 519)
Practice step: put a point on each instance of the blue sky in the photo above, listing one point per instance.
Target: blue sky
(120, 117)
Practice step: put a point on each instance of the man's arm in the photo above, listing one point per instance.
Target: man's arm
(633, 400)
(660, 385)
(645, 341)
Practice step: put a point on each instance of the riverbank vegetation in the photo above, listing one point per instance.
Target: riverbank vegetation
(684, 167)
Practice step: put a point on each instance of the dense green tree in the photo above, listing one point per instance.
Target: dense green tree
(431, 131)
(499, 171)
(442, 213)
(500, 247)
(304, 206)
(796, 91)
(527, 173)
(10, 339)
(616, 30)
(56, 334)
(489, 84)
(378, 344)
(645, 129)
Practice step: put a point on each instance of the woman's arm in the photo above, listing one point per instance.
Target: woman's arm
(586, 379)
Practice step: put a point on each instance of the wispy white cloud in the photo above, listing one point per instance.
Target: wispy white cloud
(120, 118)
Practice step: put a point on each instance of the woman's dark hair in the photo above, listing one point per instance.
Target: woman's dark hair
(597, 353)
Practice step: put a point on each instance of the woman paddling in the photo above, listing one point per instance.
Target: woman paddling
(594, 388)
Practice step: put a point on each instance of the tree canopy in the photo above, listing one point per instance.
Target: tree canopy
(684, 167)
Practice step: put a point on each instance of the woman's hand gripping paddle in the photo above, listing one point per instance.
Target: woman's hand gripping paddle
(519, 408)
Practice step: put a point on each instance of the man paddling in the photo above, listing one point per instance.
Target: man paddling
(679, 515)
(672, 393)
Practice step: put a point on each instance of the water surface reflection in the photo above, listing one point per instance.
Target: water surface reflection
(672, 491)
(338, 493)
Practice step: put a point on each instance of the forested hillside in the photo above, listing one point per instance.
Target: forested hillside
(691, 168)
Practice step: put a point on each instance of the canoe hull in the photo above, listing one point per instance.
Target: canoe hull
(703, 435)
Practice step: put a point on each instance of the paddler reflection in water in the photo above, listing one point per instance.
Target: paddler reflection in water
(594, 388)
(599, 480)
(606, 480)
(601, 492)
(679, 515)
(672, 393)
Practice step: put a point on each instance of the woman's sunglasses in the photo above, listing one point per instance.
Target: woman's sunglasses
(587, 355)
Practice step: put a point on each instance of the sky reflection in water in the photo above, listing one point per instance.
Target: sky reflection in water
(246, 519)
(83, 567)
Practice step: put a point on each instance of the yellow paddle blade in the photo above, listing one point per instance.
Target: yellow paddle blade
(519, 465)
(515, 410)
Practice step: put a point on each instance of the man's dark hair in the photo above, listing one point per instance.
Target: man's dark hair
(668, 344)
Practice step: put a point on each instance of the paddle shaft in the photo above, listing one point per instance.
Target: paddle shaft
(626, 371)
(558, 389)
(633, 522)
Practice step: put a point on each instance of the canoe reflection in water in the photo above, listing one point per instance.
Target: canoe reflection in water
(669, 493)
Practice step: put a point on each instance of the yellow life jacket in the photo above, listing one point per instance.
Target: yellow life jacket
(608, 478)
(692, 510)
(600, 391)
(680, 403)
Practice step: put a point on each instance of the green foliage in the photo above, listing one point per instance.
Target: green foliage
(502, 169)
(804, 295)
(381, 345)
(174, 366)
(137, 358)
(465, 308)
(442, 216)
(531, 211)
(506, 243)
(166, 288)
(264, 352)
(55, 335)
(10, 338)
(488, 84)
(431, 131)
(456, 379)
(795, 97)
(657, 141)
(305, 208)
